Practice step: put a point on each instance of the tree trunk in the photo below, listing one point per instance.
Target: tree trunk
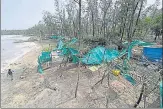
(79, 31)
(93, 25)
(87, 28)
(74, 29)
(137, 18)
(131, 21)
(124, 23)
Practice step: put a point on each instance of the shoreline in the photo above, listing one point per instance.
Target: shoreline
(18, 58)
(27, 83)
(23, 66)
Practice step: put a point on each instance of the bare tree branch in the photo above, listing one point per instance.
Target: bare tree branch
(77, 1)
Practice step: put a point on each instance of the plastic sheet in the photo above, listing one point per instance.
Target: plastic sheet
(98, 55)
(56, 37)
(130, 79)
(43, 58)
(135, 43)
(153, 54)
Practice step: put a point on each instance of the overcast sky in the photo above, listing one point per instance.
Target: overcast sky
(22, 14)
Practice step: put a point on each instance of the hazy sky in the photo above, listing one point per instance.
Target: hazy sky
(22, 14)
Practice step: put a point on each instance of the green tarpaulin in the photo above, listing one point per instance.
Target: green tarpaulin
(72, 41)
(54, 37)
(69, 51)
(72, 53)
(61, 45)
(57, 37)
(135, 43)
(130, 79)
(40, 69)
(93, 57)
(161, 95)
(75, 59)
(98, 55)
(43, 58)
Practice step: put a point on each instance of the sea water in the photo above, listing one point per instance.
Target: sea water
(11, 51)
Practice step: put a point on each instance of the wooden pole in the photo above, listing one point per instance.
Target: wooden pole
(145, 94)
(77, 84)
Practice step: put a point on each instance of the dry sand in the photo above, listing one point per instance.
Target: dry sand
(55, 91)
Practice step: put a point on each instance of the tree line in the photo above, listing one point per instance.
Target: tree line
(12, 32)
(111, 20)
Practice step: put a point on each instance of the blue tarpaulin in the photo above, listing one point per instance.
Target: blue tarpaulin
(153, 54)
(135, 43)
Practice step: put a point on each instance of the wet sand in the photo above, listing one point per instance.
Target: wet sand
(23, 67)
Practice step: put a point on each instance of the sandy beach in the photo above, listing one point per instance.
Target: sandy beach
(18, 59)
(22, 67)
(27, 83)
(55, 88)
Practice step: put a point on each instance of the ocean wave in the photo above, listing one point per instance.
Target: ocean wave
(12, 53)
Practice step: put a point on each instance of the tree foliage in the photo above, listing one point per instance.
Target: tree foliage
(112, 20)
